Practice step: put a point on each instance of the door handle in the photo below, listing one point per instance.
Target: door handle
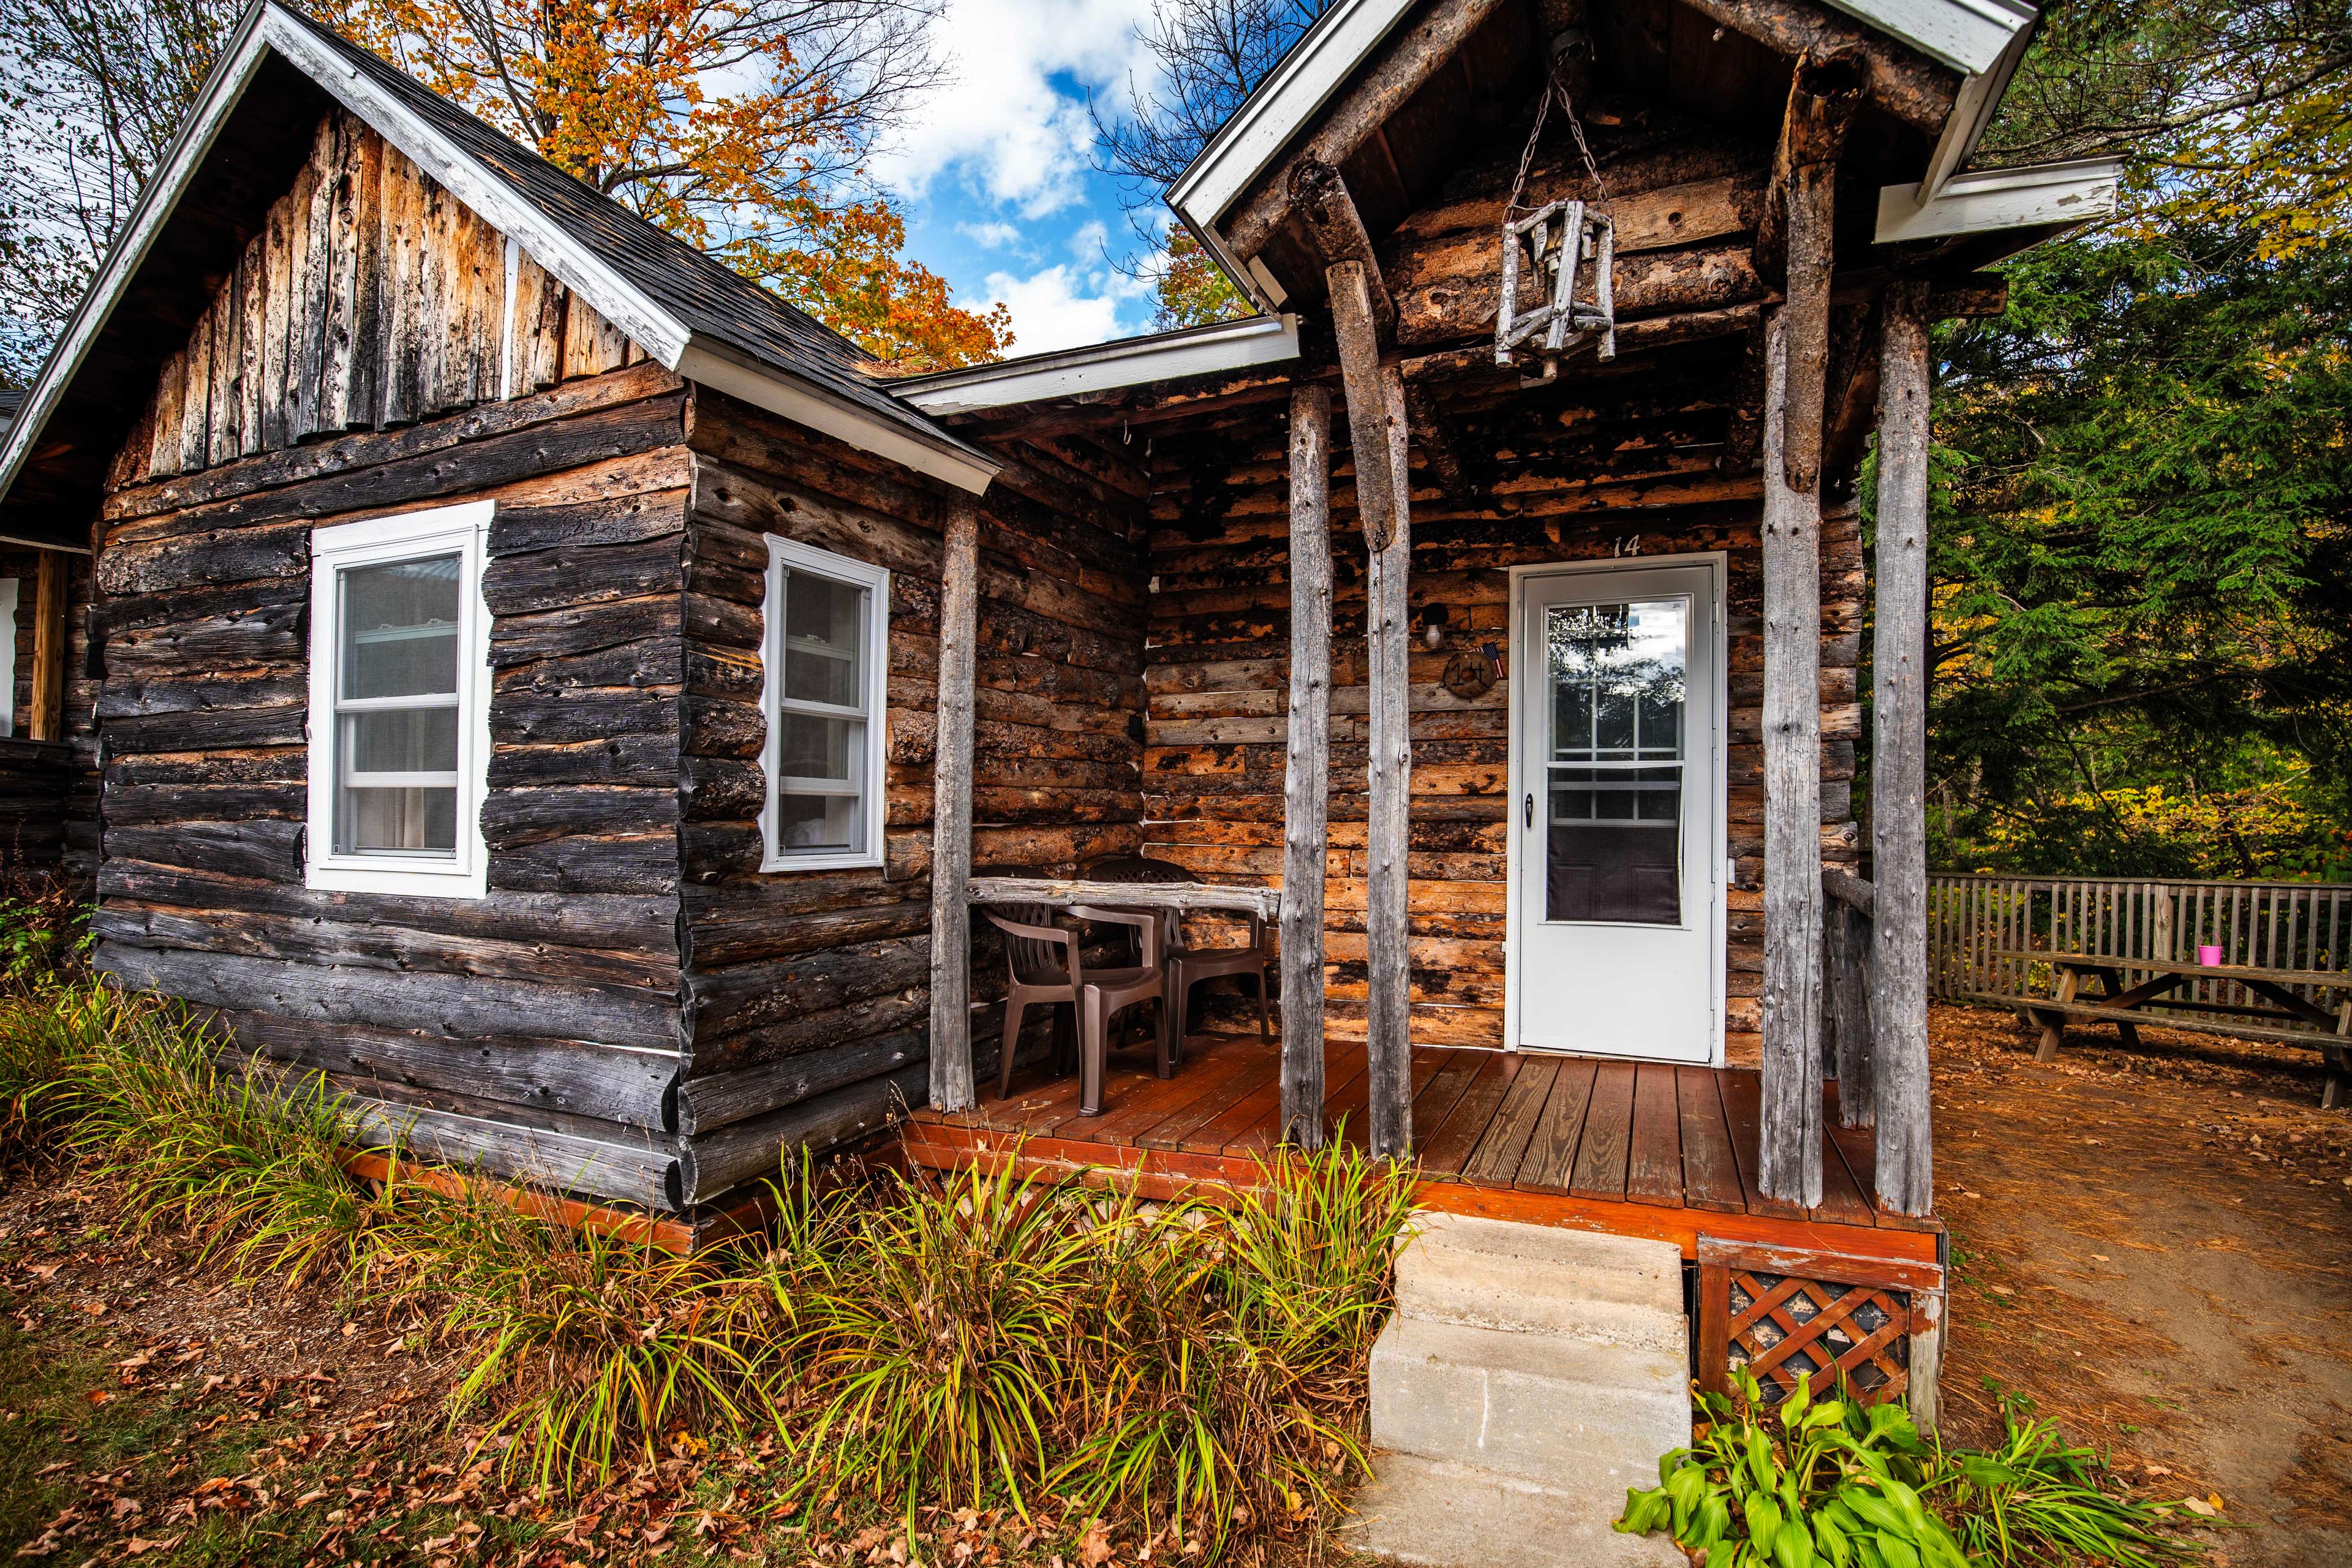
(1530, 814)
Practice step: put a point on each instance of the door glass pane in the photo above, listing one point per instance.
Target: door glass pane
(400, 628)
(1615, 780)
(822, 623)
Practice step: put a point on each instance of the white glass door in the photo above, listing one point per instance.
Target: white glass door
(1616, 910)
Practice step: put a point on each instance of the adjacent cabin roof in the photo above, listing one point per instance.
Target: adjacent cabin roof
(277, 73)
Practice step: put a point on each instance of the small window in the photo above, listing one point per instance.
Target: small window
(400, 741)
(10, 588)
(825, 670)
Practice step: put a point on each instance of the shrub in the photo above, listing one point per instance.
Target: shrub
(1830, 1481)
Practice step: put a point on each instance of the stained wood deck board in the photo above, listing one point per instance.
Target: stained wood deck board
(1646, 1149)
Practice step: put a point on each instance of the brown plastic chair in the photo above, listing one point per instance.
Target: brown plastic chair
(1187, 966)
(1048, 967)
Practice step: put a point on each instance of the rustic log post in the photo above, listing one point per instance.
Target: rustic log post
(1899, 759)
(47, 720)
(1387, 1044)
(1789, 1161)
(1794, 241)
(951, 1074)
(1307, 779)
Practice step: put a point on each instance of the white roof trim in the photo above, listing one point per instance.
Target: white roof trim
(1074, 372)
(1248, 143)
(240, 57)
(1966, 34)
(722, 368)
(2037, 196)
(268, 27)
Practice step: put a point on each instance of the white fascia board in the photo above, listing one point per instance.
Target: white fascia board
(2038, 195)
(1966, 34)
(1973, 111)
(721, 368)
(1255, 136)
(241, 57)
(1074, 373)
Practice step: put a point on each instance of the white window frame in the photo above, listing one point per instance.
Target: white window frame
(788, 555)
(376, 541)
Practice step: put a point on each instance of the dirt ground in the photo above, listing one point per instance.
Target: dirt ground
(2152, 1246)
(2156, 1246)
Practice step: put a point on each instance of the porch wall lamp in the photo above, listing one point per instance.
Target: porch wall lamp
(1432, 626)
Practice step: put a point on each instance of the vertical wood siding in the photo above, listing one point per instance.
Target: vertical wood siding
(369, 297)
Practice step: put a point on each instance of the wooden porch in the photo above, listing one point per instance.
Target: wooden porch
(1646, 1150)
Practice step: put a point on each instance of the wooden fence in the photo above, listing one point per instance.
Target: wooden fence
(2265, 925)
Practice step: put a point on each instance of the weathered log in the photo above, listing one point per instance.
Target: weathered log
(608, 862)
(271, 850)
(1388, 1048)
(707, 1104)
(1320, 198)
(1789, 1159)
(1846, 988)
(1305, 779)
(455, 1005)
(951, 1078)
(1795, 243)
(627, 1086)
(756, 996)
(746, 1150)
(514, 817)
(1905, 1175)
(1445, 308)
(1355, 325)
(1417, 55)
(1914, 90)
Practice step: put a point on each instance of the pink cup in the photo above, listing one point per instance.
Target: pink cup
(2210, 956)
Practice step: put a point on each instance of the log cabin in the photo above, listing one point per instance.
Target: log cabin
(535, 678)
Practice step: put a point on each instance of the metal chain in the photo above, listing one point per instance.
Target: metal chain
(1553, 86)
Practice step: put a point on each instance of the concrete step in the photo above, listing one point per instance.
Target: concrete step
(1431, 1514)
(1612, 1290)
(1540, 1406)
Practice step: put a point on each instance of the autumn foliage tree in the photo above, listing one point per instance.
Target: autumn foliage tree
(741, 126)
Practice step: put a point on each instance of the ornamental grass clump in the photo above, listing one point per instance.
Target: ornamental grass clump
(587, 1347)
(940, 1319)
(248, 1158)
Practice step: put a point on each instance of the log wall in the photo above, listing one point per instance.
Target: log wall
(822, 977)
(1616, 461)
(378, 348)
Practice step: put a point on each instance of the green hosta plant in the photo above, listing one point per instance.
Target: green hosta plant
(1808, 1481)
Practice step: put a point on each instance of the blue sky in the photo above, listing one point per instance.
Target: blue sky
(996, 176)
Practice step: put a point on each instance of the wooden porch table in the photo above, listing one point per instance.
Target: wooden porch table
(2328, 1032)
(1207, 897)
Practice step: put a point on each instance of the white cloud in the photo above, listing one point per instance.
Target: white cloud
(1090, 241)
(990, 236)
(1002, 123)
(1059, 307)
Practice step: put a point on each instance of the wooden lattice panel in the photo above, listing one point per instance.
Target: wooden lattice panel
(1781, 1317)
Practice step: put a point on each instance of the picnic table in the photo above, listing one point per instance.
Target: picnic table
(2304, 1021)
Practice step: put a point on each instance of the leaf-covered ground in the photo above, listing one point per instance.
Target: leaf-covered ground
(2153, 1245)
(2156, 1246)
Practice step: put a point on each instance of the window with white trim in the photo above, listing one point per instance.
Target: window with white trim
(824, 673)
(400, 720)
